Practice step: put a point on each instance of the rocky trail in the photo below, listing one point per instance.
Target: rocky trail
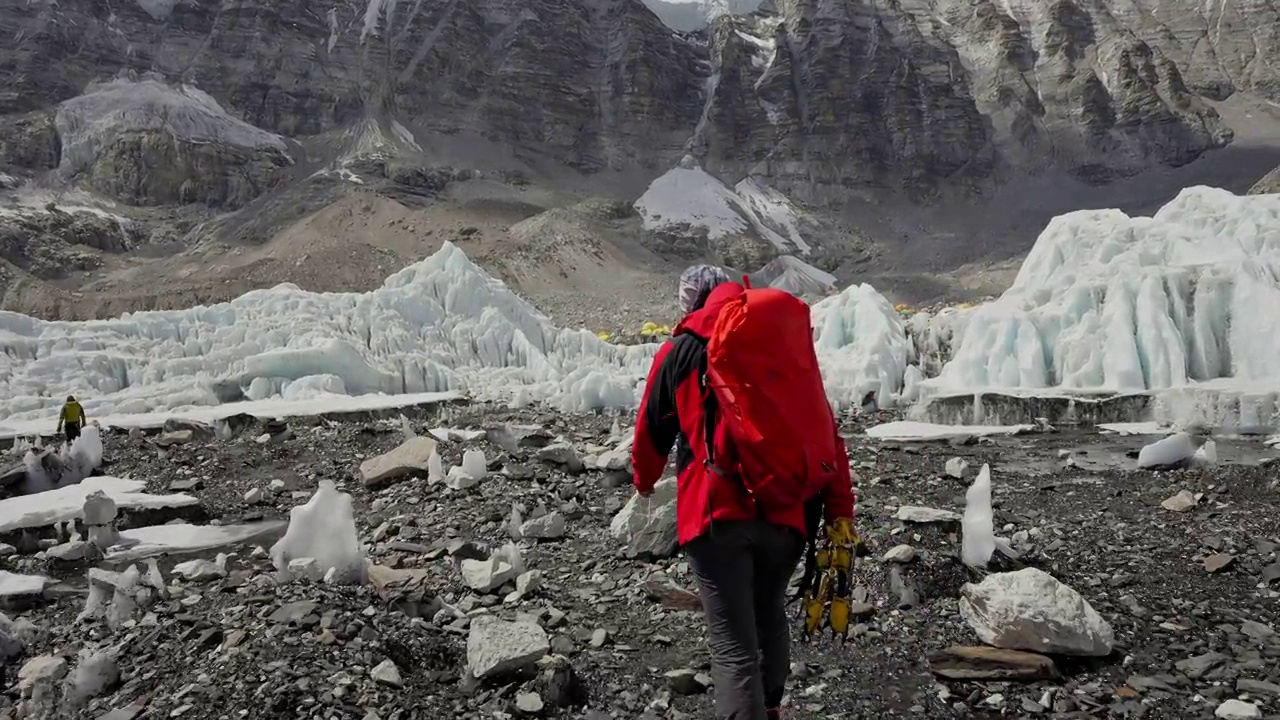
(528, 582)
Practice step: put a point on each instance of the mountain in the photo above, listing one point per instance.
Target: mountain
(163, 152)
(697, 14)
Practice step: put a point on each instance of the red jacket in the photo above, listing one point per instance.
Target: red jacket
(671, 413)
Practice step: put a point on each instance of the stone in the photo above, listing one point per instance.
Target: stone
(925, 515)
(1200, 665)
(1256, 630)
(528, 582)
(306, 568)
(41, 668)
(548, 527)
(74, 551)
(254, 496)
(7, 550)
(99, 509)
(968, 664)
(1031, 610)
(1237, 710)
(200, 569)
(900, 554)
(176, 437)
(459, 478)
(564, 455)
(1270, 573)
(496, 647)
(646, 527)
(957, 468)
(1258, 687)
(599, 637)
(293, 613)
(529, 703)
(387, 673)
(486, 576)
(684, 682)
(1218, 562)
(408, 458)
(1179, 503)
(186, 485)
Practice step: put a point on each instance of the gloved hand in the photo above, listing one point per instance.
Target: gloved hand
(835, 561)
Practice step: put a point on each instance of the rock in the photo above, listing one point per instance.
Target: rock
(1181, 502)
(99, 509)
(558, 683)
(74, 551)
(1173, 451)
(42, 668)
(7, 550)
(293, 613)
(958, 468)
(387, 673)
(925, 515)
(1237, 710)
(1031, 610)
(908, 596)
(529, 703)
(408, 458)
(487, 575)
(1258, 687)
(563, 455)
(185, 485)
(1218, 562)
(15, 635)
(599, 637)
(497, 647)
(1270, 573)
(306, 568)
(1256, 630)
(254, 496)
(528, 582)
(548, 527)
(95, 671)
(900, 554)
(458, 478)
(647, 526)
(967, 664)
(176, 437)
(1200, 665)
(672, 597)
(200, 569)
(684, 682)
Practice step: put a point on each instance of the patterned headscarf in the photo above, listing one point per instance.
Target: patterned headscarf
(696, 284)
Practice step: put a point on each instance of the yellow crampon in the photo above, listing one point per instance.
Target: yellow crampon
(828, 595)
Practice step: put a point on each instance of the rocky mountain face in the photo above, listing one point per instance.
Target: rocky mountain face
(697, 14)
(203, 119)
(1268, 184)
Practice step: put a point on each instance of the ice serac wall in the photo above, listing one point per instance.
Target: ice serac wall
(441, 324)
(1112, 303)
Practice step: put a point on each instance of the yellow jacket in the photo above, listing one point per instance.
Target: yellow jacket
(72, 413)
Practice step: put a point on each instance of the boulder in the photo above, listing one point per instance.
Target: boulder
(925, 515)
(1237, 710)
(1181, 502)
(486, 576)
(647, 526)
(564, 455)
(39, 669)
(497, 647)
(547, 527)
(1031, 610)
(967, 664)
(958, 468)
(410, 457)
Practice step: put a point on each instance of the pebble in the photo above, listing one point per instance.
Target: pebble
(1237, 710)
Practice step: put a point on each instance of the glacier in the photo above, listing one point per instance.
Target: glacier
(1104, 303)
(440, 325)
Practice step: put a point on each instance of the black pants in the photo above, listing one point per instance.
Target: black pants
(743, 569)
(72, 430)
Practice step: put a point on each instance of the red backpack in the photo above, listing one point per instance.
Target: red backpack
(770, 402)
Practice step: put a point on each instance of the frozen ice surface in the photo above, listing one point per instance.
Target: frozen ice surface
(978, 539)
(67, 503)
(14, 585)
(688, 195)
(1173, 450)
(474, 464)
(108, 111)
(181, 538)
(907, 430)
(1134, 428)
(1207, 455)
(439, 325)
(324, 529)
(1109, 302)
(861, 346)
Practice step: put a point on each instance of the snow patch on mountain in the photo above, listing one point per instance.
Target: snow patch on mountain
(688, 196)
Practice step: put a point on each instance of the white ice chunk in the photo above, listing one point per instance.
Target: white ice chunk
(14, 585)
(325, 529)
(67, 503)
(861, 346)
(907, 430)
(1207, 455)
(474, 464)
(1173, 450)
(978, 539)
(181, 538)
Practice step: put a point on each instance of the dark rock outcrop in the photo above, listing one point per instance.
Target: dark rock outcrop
(1268, 184)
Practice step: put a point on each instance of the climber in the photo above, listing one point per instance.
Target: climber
(741, 368)
(71, 419)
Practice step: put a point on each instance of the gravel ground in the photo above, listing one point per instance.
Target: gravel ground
(245, 646)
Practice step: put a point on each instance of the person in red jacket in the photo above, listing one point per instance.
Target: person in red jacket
(743, 560)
